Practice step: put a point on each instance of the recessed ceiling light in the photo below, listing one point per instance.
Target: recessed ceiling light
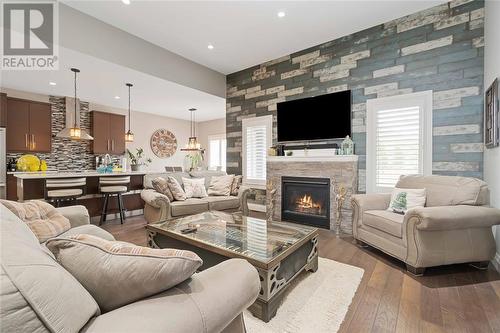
(52, 83)
(281, 14)
(117, 97)
(210, 47)
(127, 2)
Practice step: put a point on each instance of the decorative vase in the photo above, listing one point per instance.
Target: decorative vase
(136, 167)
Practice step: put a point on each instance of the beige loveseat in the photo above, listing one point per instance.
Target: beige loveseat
(453, 227)
(39, 295)
(159, 208)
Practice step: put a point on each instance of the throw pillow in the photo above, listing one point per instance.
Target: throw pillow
(160, 185)
(235, 186)
(220, 185)
(194, 187)
(118, 273)
(41, 217)
(403, 199)
(176, 189)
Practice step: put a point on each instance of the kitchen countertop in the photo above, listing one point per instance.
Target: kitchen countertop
(71, 174)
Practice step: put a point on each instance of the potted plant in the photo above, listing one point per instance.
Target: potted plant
(137, 160)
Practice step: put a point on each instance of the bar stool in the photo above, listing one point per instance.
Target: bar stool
(110, 186)
(64, 191)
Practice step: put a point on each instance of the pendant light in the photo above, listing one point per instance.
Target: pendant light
(193, 144)
(129, 136)
(73, 131)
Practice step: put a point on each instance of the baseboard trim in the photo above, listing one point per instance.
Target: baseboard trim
(496, 261)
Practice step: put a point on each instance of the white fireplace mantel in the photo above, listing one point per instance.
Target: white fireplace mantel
(331, 158)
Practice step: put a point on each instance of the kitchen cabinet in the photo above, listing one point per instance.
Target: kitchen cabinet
(108, 130)
(3, 110)
(28, 126)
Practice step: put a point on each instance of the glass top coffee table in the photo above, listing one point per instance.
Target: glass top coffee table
(278, 250)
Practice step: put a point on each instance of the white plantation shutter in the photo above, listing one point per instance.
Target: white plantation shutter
(217, 151)
(398, 145)
(256, 140)
(399, 139)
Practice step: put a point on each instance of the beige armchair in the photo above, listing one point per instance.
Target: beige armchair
(453, 227)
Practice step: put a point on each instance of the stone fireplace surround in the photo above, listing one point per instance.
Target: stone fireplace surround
(341, 170)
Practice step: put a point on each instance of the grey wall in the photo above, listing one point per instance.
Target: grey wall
(439, 49)
(78, 32)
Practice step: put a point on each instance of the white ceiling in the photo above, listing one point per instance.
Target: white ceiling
(244, 33)
(100, 81)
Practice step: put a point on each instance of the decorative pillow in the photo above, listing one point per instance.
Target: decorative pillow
(235, 186)
(194, 187)
(176, 189)
(41, 217)
(118, 273)
(160, 185)
(403, 199)
(220, 185)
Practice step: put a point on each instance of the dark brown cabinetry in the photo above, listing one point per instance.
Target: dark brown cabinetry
(28, 126)
(3, 110)
(108, 130)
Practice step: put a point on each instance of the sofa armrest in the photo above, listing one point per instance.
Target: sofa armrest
(453, 217)
(155, 199)
(77, 215)
(363, 202)
(243, 193)
(208, 302)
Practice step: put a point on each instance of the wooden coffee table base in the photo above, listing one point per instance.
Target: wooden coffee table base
(274, 281)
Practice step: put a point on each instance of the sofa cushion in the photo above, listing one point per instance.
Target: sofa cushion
(220, 185)
(385, 221)
(207, 174)
(89, 229)
(41, 217)
(119, 273)
(448, 190)
(176, 189)
(235, 186)
(194, 187)
(160, 185)
(222, 203)
(404, 199)
(189, 207)
(35, 289)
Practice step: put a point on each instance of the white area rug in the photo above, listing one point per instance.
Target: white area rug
(315, 302)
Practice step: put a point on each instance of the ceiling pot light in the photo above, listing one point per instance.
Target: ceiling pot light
(129, 136)
(127, 2)
(52, 83)
(281, 14)
(210, 47)
(193, 145)
(117, 97)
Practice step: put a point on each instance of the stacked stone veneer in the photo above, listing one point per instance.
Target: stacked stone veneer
(439, 49)
(67, 154)
(340, 173)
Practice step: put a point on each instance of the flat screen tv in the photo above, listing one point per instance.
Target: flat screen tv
(315, 118)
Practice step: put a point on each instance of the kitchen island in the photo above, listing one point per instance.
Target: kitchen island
(31, 185)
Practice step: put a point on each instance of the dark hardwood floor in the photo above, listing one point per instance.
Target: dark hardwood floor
(456, 298)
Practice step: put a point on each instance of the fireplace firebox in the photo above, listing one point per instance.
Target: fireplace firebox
(306, 200)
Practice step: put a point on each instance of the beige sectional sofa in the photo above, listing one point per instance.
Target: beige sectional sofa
(453, 227)
(159, 208)
(39, 295)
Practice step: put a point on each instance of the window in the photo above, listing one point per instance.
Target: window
(399, 139)
(217, 151)
(257, 137)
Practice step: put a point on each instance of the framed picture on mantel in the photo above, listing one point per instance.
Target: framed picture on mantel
(491, 121)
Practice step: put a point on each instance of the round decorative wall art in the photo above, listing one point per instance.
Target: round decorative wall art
(163, 143)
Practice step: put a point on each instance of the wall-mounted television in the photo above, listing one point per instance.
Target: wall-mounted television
(316, 118)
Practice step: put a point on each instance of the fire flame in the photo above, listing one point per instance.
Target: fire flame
(307, 202)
